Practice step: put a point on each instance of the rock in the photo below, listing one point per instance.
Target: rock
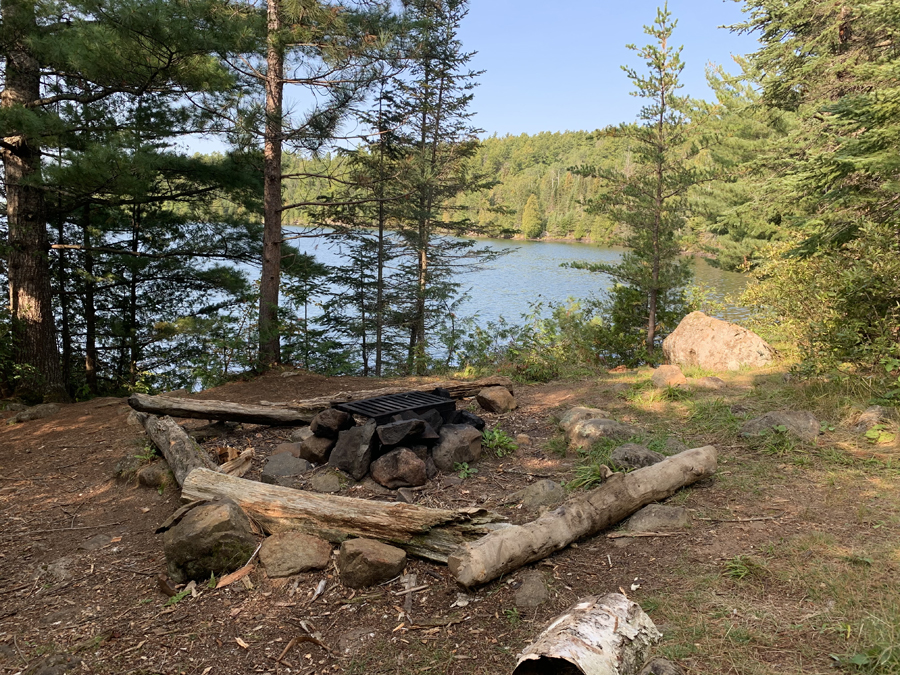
(543, 493)
(459, 444)
(369, 484)
(659, 518)
(496, 399)
(800, 423)
(634, 456)
(212, 430)
(353, 452)
(433, 418)
(668, 376)
(12, 406)
(54, 664)
(133, 419)
(674, 445)
(366, 562)
(422, 453)
(711, 383)
(352, 642)
(288, 553)
(301, 434)
(399, 468)
(127, 467)
(280, 469)
(533, 591)
(871, 416)
(585, 434)
(316, 449)
(34, 413)
(327, 482)
(466, 417)
(700, 340)
(211, 538)
(523, 439)
(396, 433)
(292, 448)
(330, 422)
(661, 666)
(579, 415)
(96, 542)
(155, 475)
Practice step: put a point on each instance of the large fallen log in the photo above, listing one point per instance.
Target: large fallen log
(457, 389)
(217, 410)
(181, 452)
(621, 495)
(428, 533)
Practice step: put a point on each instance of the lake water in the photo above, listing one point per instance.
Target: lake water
(531, 272)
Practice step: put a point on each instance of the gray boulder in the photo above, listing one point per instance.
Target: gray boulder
(288, 553)
(459, 444)
(800, 423)
(34, 413)
(210, 538)
(634, 456)
(543, 493)
(292, 448)
(661, 666)
(316, 449)
(326, 482)
(280, 469)
(710, 383)
(466, 417)
(330, 422)
(399, 468)
(533, 592)
(301, 434)
(871, 416)
(700, 340)
(396, 433)
(579, 415)
(496, 399)
(422, 453)
(659, 518)
(366, 562)
(353, 452)
(668, 376)
(583, 435)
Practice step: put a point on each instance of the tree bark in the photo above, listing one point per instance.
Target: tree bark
(508, 549)
(30, 295)
(181, 452)
(427, 533)
(217, 410)
(270, 281)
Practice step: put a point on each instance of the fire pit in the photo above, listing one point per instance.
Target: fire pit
(383, 408)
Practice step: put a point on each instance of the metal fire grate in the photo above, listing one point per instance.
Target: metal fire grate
(382, 408)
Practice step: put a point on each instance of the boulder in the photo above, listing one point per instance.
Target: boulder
(543, 493)
(292, 448)
(871, 416)
(316, 449)
(661, 666)
(34, 413)
(432, 418)
(523, 439)
(800, 423)
(210, 538)
(399, 468)
(366, 562)
(353, 452)
(422, 453)
(496, 399)
(585, 434)
(396, 433)
(634, 456)
(288, 553)
(659, 518)
(301, 434)
(668, 376)
(579, 415)
(533, 592)
(280, 469)
(459, 444)
(330, 422)
(711, 383)
(466, 417)
(326, 482)
(713, 344)
(155, 475)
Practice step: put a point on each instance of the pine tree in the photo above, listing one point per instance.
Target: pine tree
(532, 220)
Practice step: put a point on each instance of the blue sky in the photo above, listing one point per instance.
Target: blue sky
(555, 66)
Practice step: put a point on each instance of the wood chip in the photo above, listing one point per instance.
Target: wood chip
(240, 642)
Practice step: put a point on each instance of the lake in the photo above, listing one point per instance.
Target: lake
(531, 272)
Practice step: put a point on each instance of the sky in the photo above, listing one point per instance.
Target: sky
(556, 66)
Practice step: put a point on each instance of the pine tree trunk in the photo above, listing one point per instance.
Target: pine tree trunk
(30, 295)
(90, 313)
(62, 282)
(270, 281)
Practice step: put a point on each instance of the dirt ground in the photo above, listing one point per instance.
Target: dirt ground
(81, 563)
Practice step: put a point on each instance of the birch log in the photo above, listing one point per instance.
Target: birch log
(181, 452)
(428, 533)
(217, 410)
(508, 549)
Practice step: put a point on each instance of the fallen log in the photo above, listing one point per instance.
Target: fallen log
(427, 533)
(508, 549)
(457, 389)
(181, 452)
(609, 634)
(217, 410)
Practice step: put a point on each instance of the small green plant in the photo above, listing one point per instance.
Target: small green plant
(512, 616)
(212, 580)
(825, 427)
(463, 470)
(148, 453)
(879, 434)
(178, 597)
(498, 441)
(743, 566)
(558, 446)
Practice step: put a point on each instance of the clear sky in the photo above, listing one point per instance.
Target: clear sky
(555, 66)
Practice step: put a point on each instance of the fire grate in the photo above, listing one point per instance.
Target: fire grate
(382, 408)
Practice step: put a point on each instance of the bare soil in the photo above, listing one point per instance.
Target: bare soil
(81, 563)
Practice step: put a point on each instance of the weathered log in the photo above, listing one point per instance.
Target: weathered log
(181, 452)
(457, 390)
(512, 547)
(609, 634)
(427, 533)
(217, 410)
